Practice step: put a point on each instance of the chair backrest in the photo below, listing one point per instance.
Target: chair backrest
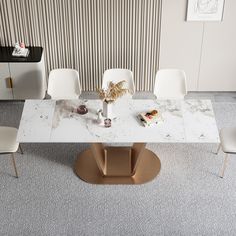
(170, 84)
(116, 75)
(64, 84)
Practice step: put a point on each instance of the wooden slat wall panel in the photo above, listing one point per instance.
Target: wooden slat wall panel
(88, 35)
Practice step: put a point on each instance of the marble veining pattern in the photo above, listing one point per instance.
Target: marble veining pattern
(36, 121)
(199, 121)
(183, 121)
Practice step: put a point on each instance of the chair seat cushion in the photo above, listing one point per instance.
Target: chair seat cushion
(228, 139)
(8, 139)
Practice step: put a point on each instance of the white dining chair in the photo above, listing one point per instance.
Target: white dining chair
(117, 75)
(64, 84)
(170, 84)
(227, 144)
(8, 143)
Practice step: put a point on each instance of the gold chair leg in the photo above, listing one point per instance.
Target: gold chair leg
(224, 165)
(14, 164)
(21, 150)
(218, 149)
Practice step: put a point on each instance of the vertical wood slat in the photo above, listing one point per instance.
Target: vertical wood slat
(88, 35)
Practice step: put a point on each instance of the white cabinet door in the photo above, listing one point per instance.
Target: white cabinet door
(5, 84)
(28, 80)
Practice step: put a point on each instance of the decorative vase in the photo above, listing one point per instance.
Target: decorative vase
(107, 109)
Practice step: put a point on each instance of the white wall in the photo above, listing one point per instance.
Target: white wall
(206, 51)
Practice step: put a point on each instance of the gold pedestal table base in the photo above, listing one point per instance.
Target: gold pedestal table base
(117, 165)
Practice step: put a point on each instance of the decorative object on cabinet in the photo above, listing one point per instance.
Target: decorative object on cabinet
(205, 10)
(20, 50)
(22, 77)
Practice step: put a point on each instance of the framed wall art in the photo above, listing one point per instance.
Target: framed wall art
(205, 10)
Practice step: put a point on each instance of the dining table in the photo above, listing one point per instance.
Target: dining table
(117, 154)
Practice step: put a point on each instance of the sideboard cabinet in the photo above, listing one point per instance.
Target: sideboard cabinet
(22, 78)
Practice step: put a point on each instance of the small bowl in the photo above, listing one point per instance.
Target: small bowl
(82, 109)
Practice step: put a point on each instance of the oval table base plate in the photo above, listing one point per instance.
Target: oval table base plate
(86, 168)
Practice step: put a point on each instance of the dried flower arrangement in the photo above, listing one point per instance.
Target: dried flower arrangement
(114, 91)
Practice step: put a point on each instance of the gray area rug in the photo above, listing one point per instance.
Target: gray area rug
(187, 198)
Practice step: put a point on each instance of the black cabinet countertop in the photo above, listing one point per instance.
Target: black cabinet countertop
(35, 55)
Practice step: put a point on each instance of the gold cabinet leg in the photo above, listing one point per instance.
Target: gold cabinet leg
(14, 164)
(224, 165)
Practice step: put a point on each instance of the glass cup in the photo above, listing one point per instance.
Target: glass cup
(107, 122)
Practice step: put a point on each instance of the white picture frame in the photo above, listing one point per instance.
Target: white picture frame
(205, 10)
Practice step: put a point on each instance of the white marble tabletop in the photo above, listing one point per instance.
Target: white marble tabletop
(49, 121)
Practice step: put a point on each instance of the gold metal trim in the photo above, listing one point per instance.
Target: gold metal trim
(8, 82)
(14, 165)
(11, 82)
